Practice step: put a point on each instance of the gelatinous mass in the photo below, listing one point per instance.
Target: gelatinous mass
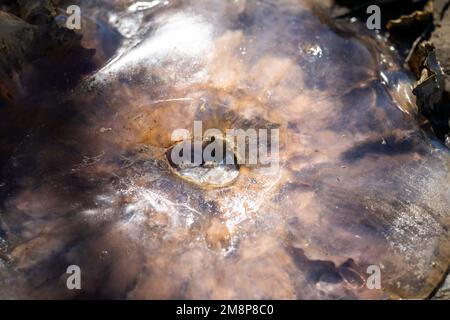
(359, 183)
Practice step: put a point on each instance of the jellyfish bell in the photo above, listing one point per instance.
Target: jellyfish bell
(359, 186)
